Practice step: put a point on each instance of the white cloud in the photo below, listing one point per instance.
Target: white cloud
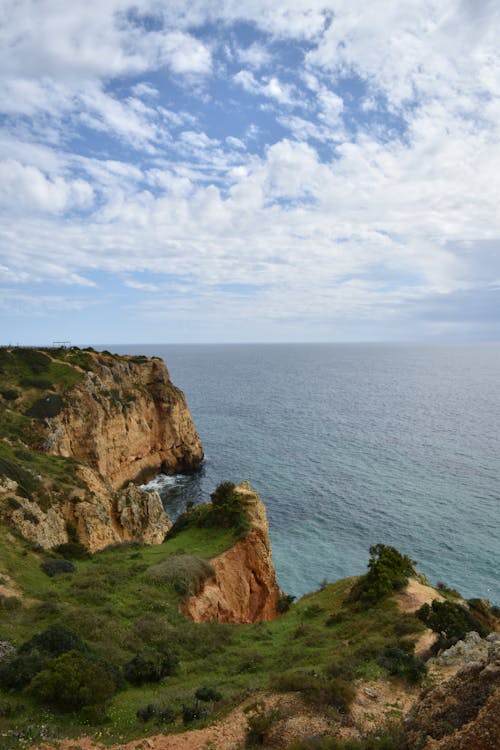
(26, 188)
(255, 55)
(269, 87)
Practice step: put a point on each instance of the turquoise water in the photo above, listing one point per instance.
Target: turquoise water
(350, 445)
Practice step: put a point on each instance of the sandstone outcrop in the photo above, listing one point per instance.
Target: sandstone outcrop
(117, 419)
(244, 587)
(127, 421)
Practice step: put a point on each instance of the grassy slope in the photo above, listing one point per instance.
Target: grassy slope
(116, 607)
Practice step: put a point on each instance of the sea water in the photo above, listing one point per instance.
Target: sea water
(350, 445)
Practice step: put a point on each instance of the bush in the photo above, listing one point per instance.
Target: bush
(27, 483)
(186, 573)
(165, 715)
(71, 682)
(388, 571)
(146, 712)
(73, 551)
(401, 664)
(46, 407)
(260, 721)
(18, 672)
(227, 511)
(208, 694)
(284, 602)
(150, 665)
(318, 690)
(9, 394)
(55, 640)
(53, 567)
(451, 621)
(194, 713)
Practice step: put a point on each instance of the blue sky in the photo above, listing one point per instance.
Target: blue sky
(249, 171)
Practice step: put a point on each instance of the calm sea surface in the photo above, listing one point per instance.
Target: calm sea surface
(350, 445)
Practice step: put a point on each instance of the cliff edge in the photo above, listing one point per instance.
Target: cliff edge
(243, 587)
(77, 427)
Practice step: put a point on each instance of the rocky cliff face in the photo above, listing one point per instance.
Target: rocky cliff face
(117, 420)
(244, 587)
(462, 713)
(127, 421)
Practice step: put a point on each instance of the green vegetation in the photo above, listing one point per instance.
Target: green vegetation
(186, 573)
(226, 510)
(452, 620)
(388, 571)
(118, 613)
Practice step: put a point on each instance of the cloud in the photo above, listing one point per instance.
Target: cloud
(356, 177)
(254, 56)
(269, 87)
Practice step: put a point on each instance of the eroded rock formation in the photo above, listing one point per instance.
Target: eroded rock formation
(127, 421)
(121, 420)
(244, 587)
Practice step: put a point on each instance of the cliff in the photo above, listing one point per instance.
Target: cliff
(243, 587)
(77, 427)
(127, 421)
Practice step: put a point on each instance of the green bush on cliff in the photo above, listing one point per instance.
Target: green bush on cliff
(388, 571)
(226, 511)
(451, 621)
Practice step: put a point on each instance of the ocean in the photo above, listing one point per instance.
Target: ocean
(350, 445)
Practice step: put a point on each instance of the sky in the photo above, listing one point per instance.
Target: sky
(259, 170)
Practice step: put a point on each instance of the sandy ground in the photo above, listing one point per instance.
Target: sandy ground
(415, 594)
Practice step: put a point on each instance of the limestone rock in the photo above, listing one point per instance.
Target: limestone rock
(461, 713)
(127, 421)
(122, 420)
(244, 587)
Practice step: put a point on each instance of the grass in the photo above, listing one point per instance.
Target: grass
(117, 607)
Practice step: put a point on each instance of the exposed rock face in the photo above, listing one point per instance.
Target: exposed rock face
(462, 713)
(127, 421)
(244, 587)
(122, 420)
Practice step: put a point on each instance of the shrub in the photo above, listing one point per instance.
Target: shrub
(27, 483)
(194, 713)
(226, 510)
(388, 571)
(46, 407)
(401, 664)
(284, 602)
(55, 640)
(53, 567)
(260, 721)
(208, 694)
(150, 665)
(18, 672)
(451, 621)
(146, 712)
(71, 682)
(9, 394)
(186, 573)
(73, 551)
(318, 690)
(165, 715)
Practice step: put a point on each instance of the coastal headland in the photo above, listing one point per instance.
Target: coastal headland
(122, 629)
